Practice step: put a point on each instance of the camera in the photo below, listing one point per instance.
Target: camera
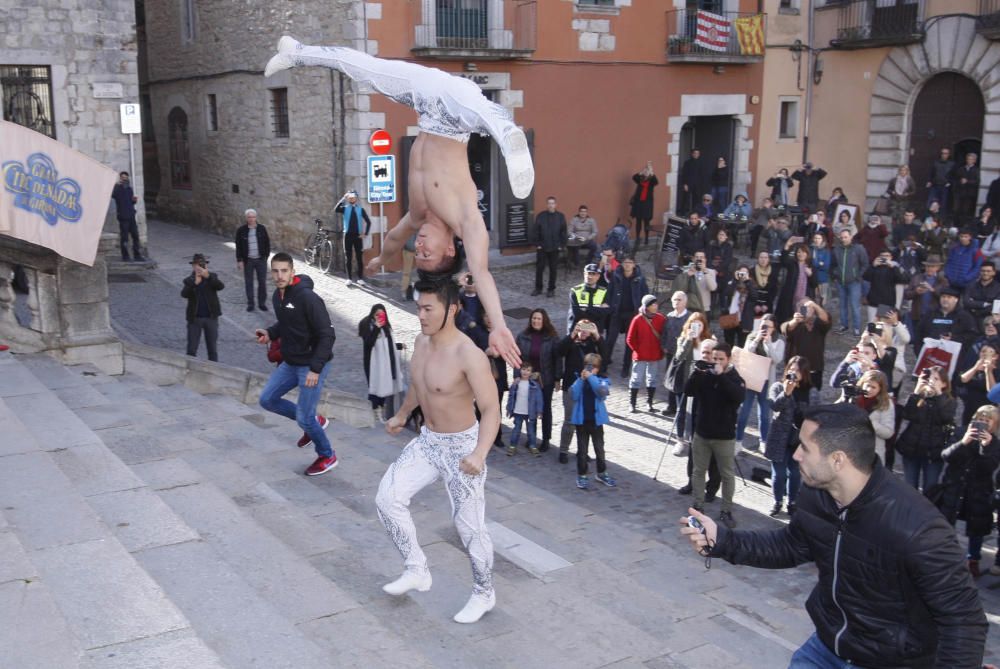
(588, 368)
(850, 389)
(703, 365)
(875, 329)
(791, 376)
(925, 373)
(469, 280)
(694, 523)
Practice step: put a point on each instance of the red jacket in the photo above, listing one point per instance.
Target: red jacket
(873, 239)
(645, 340)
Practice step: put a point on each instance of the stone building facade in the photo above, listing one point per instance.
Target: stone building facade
(596, 89)
(65, 68)
(227, 139)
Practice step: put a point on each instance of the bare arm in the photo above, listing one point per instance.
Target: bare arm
(484, 391)
(393, 241)
(477, 250)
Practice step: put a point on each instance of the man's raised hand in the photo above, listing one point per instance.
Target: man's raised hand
(503, 343)
(698, 538)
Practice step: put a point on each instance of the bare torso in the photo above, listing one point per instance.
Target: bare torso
(439, 378)
(440, 185)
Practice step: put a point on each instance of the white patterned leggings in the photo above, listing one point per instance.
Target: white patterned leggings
(427, 457)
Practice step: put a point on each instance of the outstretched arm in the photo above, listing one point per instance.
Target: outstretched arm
(393, 242)
(502, 341)
(484, 390)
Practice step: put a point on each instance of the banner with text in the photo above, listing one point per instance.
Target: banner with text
(52, 195)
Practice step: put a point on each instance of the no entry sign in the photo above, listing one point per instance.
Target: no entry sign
(380, 142)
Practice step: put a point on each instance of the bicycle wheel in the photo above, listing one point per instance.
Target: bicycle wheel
(325, 256)
(309, 252)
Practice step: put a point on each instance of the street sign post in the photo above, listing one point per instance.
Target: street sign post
(380, 142)
(381, 179)
(131, 126)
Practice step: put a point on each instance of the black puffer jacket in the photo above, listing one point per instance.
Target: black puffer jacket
(893, 590)
(304, 326)
(930, 426)
(551, 370)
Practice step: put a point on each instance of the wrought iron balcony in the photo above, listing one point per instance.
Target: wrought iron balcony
(725, 37)
(479, 29)
(988, 23)
(869, 23)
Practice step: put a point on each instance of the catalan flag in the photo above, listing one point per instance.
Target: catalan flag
(750, 34)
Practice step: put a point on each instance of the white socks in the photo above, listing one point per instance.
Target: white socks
(410, 580)
(475, 608)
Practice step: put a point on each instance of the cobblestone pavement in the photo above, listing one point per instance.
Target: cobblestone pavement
(152, 312)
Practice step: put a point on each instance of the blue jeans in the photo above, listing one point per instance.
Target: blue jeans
(975, 548)
(939, 193)
(814, 654)
(283, 380)
(515, 433)
(720, 198)
(850, 298)
(763, 414)
(785, 475)
(912, 468)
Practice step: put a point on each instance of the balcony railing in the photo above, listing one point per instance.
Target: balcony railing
(481, 29)
(869, 23)
(725, 37)
(988, 23)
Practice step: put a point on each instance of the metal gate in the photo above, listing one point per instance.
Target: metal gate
(26, 91)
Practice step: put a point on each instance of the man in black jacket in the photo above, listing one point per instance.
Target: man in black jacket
(893, 590)
(253, 246)
(125, 201)
(692, 238)
(719, 390)
(939, 179)
(966, 180)
(201, 289)
(549, 236)
(948, 321)
(692, 182)
(978, 297)
(808, 178)
(306, 349)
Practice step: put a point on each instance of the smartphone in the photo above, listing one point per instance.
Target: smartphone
(883, 310)
(980, 426)
(804, 310)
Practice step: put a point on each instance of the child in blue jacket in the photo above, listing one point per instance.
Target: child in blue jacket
(590, 415)
(524, 405)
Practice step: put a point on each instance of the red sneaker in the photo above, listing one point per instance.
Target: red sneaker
(322, 465)
(305, 440)
(4, 347)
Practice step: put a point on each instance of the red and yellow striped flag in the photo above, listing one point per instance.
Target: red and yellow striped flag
(750, 34)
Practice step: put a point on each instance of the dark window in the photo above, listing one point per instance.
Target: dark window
(211, 112)
(180, 156)
(785, 4)
(788, 123)
(279, 112)
(27, 97)
(600, 3)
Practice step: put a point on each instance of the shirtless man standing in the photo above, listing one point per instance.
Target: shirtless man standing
(448, 372)
(444, 210)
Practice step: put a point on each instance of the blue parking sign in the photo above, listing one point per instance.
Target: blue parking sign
(381, 179)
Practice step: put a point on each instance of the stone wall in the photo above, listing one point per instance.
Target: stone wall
(289, 181)
(83, 42)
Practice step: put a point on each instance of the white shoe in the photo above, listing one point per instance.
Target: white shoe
(475, 608)
(681, 449)
(283, 59)
(377, 415)
(520, 170)
(410, 580)
(739, 447)
(361, 282)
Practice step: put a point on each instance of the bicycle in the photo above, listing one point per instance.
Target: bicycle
(319, 248)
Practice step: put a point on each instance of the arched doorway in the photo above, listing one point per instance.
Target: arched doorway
(715, 137)
(180, 153)
(948, 113)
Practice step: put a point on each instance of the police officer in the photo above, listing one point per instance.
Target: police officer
(589, 300)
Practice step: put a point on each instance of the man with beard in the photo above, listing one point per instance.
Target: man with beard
(894, 589)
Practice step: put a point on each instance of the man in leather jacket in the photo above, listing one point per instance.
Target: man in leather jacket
(893, 590)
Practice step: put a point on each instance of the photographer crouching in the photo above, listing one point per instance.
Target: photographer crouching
(719, 390)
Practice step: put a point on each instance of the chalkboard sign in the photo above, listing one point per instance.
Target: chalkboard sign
(517, 223)
(666, 264)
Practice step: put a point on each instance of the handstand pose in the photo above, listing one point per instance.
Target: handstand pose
(444, 211)
(448, 373)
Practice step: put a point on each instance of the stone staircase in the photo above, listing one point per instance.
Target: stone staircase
(151, 526)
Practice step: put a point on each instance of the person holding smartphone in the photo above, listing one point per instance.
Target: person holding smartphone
(787, 397)
(383, 368)
(970, 479)
(931, 412)
(977, 380)
(201, 289)
(590, 415)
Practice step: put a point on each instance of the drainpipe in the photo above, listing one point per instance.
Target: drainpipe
(809, 82)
